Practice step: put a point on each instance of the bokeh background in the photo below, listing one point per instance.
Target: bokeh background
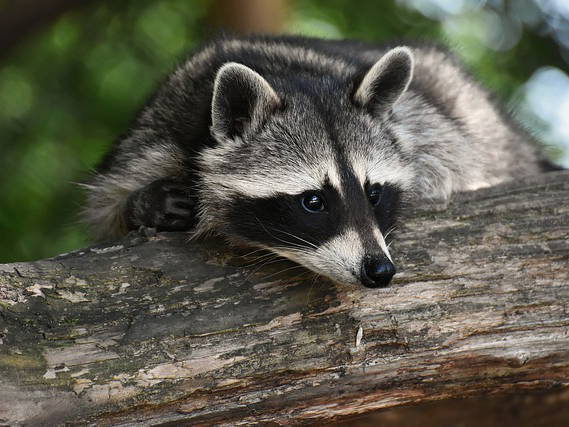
(72, 75)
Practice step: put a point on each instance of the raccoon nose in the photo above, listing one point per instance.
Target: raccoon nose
(377, 271)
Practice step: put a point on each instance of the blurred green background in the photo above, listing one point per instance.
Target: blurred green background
(70, 88)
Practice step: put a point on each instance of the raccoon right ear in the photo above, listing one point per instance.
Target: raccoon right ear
(242, 99)
(386, 81)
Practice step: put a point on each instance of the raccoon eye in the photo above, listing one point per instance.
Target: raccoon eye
(312, 203)
(374, 194)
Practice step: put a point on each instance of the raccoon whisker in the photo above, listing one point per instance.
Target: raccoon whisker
(293, 254)
(294, 248)
(248, 254)
(270, 251)
(315, 276)
(295, 237)
(271, 258)
(299, 276)
(256, 270)
(282, 271)
(276, 257)
(254, 258)
(263, 264)
(291, 244)
(262, 259)
(389, 232)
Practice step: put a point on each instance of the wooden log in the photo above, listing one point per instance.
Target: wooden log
(156, 330)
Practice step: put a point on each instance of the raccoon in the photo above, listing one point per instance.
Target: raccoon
(306, 147)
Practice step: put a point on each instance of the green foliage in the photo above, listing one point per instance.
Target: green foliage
(66, 94)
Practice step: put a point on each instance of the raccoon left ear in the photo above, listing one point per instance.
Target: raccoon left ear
(386, 81)
(242, 99)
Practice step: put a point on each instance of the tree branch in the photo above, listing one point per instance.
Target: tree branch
(158, 330)
(19, 19)
(249, 16)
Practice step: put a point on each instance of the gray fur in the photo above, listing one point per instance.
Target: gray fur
(264, 117)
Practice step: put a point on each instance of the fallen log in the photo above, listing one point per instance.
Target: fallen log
(155, 330)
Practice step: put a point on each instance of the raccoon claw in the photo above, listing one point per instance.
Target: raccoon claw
(165, 204)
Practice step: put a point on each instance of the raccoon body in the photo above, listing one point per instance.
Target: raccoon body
(305, 147)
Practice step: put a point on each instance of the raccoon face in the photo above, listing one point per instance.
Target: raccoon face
(309, 169)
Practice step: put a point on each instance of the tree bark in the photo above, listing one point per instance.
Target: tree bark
(156, 330)
(249, 16)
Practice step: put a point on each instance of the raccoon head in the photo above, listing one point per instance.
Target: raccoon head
(306, 166)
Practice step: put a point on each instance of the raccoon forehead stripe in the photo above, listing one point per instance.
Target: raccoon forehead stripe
(381, 168)
(261, 186)
(265, 180)
(335, 179)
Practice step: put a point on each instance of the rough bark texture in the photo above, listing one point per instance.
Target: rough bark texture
(155, 330)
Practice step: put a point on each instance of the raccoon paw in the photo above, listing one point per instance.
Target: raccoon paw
(165, 204)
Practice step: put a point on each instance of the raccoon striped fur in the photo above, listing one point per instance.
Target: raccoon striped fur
(306, 147)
